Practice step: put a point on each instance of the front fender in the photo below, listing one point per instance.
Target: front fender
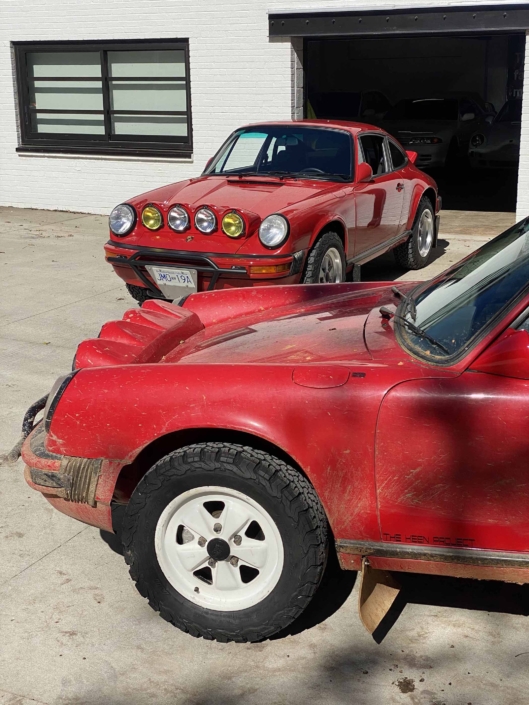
(115, 412)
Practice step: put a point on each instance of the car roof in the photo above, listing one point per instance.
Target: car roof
(354, 127)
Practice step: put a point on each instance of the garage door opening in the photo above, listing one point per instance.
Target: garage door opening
(456, 101)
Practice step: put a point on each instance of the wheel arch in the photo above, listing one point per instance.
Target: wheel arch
(335, 225)
(130, 474)
(418, 195)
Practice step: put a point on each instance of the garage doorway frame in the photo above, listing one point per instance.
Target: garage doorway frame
(441, 21)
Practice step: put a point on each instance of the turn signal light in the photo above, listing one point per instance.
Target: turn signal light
(270, 269)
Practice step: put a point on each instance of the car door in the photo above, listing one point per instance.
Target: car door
(399, 160)
(378, 202)
(452, 461)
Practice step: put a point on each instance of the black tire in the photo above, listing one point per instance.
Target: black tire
(326, 242)
(140, 293)
(281, 491)
(407, 255)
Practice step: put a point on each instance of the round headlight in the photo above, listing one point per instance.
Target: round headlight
(151, 218)
(233, 225)
(273, 231)
(477, 140)
(122, 220)
(205, 220)
(178, 219)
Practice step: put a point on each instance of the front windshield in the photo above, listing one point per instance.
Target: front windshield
(511, 111)
(292, 150)
(460, 304)
(426, 109)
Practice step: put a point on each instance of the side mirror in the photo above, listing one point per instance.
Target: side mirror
(412, 156)
(507, 357)
(489, 119)
(364, 173)
(468, 116)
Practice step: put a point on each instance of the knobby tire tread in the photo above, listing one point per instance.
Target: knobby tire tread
(288, 485)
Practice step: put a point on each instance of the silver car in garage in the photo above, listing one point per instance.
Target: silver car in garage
(438, 129)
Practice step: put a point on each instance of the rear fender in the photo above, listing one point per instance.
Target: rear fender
(418, 193)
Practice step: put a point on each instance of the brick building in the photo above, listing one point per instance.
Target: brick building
(103, 100)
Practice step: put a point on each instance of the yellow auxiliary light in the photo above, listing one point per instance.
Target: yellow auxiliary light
(151, 218)
(233, 225)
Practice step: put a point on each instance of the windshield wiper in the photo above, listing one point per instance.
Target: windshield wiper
(386, 313)
(280, 174)
(327, 176)
(409, 303)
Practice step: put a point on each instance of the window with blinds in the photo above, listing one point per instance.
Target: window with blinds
(118, 97)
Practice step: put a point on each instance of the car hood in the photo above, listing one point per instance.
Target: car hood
(273, 325)
(254, 195)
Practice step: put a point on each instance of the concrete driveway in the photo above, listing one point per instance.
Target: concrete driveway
(73, 629)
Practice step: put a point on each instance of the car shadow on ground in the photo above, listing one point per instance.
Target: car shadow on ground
(459, 593)
(385, 268)
(337, 585)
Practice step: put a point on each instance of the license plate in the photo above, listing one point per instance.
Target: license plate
(173, 282)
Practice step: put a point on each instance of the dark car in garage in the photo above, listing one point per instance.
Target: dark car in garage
(497, 146)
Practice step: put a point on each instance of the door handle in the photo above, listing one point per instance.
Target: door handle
(400, 187)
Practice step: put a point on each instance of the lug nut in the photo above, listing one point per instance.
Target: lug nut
(234, 561)
(202, 541)
(237, 540)
(217, 528)
(197, 589)
(212, 563)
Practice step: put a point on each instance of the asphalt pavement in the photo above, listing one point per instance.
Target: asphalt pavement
(73, 629)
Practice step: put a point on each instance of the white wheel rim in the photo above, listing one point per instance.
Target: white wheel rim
(331, 267)
(246, 529)
(425, 233)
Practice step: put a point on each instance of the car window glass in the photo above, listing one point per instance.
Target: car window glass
(457, 305)
(243, 153)
(306, 152)
(397, 156)
(373, 148)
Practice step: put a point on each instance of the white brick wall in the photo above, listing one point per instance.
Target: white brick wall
(238, 75)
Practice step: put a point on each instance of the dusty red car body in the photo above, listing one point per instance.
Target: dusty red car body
(372, 218)
(421, 467)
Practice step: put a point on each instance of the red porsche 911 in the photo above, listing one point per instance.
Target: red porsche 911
(245, 435)
(280, 203)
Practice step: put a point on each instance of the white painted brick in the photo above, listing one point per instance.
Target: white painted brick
(238, 75)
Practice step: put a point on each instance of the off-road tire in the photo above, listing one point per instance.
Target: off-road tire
(140, 293)
(316, 255)
(407, 255)
(281, 490)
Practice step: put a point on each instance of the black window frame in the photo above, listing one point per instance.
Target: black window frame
(135, 145)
